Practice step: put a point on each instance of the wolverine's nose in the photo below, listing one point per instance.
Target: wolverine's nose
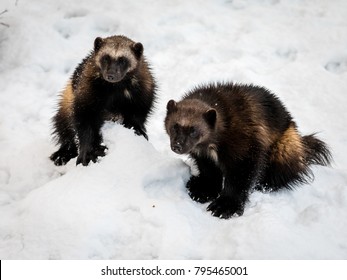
(177, 148)
(111, 77)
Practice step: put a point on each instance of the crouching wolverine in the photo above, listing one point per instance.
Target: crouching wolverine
(241, 137)
(113, 80)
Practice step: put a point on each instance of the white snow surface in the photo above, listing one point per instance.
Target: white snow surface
(133, 204)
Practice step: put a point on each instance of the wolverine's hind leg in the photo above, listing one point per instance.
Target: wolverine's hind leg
(65, 135)
(290, 158)
(63, 129)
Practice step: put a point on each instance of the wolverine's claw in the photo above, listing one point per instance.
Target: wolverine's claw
(224, 207)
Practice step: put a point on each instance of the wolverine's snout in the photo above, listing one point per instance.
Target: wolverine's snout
(177, 148)
(113, 76)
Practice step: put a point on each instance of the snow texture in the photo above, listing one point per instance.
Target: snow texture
(132, 204)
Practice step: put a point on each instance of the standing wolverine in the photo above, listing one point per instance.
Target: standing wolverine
(241, 137)
(114, 79)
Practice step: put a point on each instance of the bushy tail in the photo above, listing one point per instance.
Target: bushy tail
(290, 160)
(317, 152)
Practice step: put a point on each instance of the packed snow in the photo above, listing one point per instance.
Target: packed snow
(133, 204)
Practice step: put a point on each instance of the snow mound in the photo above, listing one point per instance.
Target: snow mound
(124, 199)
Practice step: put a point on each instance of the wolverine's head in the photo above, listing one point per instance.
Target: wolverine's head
(116, 56)
(189, 123)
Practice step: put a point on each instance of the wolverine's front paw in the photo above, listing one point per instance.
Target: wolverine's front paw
(85, 157)
(141, 132)
(201, 190)
(62, 156)
(100, 150)
(224, 207)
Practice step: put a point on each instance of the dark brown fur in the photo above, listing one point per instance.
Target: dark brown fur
(241, 135)
(113, 81)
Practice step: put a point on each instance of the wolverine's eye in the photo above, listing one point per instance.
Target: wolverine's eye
(193, 132)
(105, 59)
(122, 60)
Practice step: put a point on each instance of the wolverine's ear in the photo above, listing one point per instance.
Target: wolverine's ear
(210, 116)
(171, 106)
(138, 50)
(97, 43)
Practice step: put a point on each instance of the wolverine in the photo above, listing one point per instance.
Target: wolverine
(241, 138)
(113, 81)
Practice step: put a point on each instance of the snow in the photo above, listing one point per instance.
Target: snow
(132, 204)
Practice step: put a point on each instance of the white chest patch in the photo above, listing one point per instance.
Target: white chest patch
(127, 94)
(212, 152)
(134, 81)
